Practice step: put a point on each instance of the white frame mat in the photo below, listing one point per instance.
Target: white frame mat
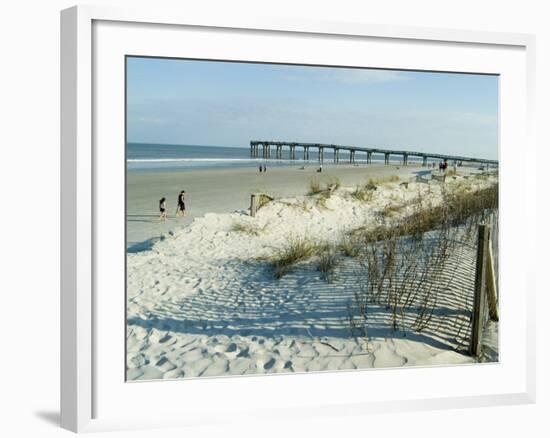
(94, 396)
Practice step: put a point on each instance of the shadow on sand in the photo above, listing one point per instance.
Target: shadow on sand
(146, 245)
(302, 304)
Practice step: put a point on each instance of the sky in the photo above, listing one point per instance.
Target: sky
(175, 101)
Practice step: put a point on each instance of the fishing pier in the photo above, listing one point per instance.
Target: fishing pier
(280, 150)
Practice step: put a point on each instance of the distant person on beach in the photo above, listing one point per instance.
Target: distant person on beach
(260, 168)
(265, 169)
(180, 210)
(162, 209)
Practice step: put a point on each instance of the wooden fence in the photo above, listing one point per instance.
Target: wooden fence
(485, 293)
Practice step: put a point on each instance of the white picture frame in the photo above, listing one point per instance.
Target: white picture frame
(83, 369)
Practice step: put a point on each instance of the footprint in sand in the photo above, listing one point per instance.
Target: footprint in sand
(239, 366)
(386, 356)
(229, 350)
(244, 353)
(269, 364)
(139, 361)
(165, 365)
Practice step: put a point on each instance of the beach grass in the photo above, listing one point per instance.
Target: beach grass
(241, 227)
(315, 187)
(382, 180)
(297, 249)
(328, 260)
(458, 207)
(349, 246)
(364, 193)
(391, 210)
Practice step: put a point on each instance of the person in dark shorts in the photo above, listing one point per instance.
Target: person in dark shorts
(162, 209)
(181, 204)
(261, 168)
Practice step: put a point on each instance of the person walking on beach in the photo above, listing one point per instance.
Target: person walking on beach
(265, 169)
(181, 204)
(162, 209)
(260, 168)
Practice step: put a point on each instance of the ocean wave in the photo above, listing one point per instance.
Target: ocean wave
(191, 160)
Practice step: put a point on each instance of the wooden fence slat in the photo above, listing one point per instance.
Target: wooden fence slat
(491, 286)
(480, 289)
(253, 205)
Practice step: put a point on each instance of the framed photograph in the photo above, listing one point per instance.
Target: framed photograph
(291, 218)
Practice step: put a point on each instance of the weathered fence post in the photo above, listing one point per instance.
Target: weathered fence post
(479, 291)
(492, 286)
(253, 204)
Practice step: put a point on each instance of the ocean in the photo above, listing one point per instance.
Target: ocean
(149, 156)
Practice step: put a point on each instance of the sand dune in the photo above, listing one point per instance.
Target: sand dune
(203, 300)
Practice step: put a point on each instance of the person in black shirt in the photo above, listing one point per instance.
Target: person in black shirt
(162, 209)
(181, 204)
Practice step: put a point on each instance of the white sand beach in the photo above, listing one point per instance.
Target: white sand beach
(202, 299)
